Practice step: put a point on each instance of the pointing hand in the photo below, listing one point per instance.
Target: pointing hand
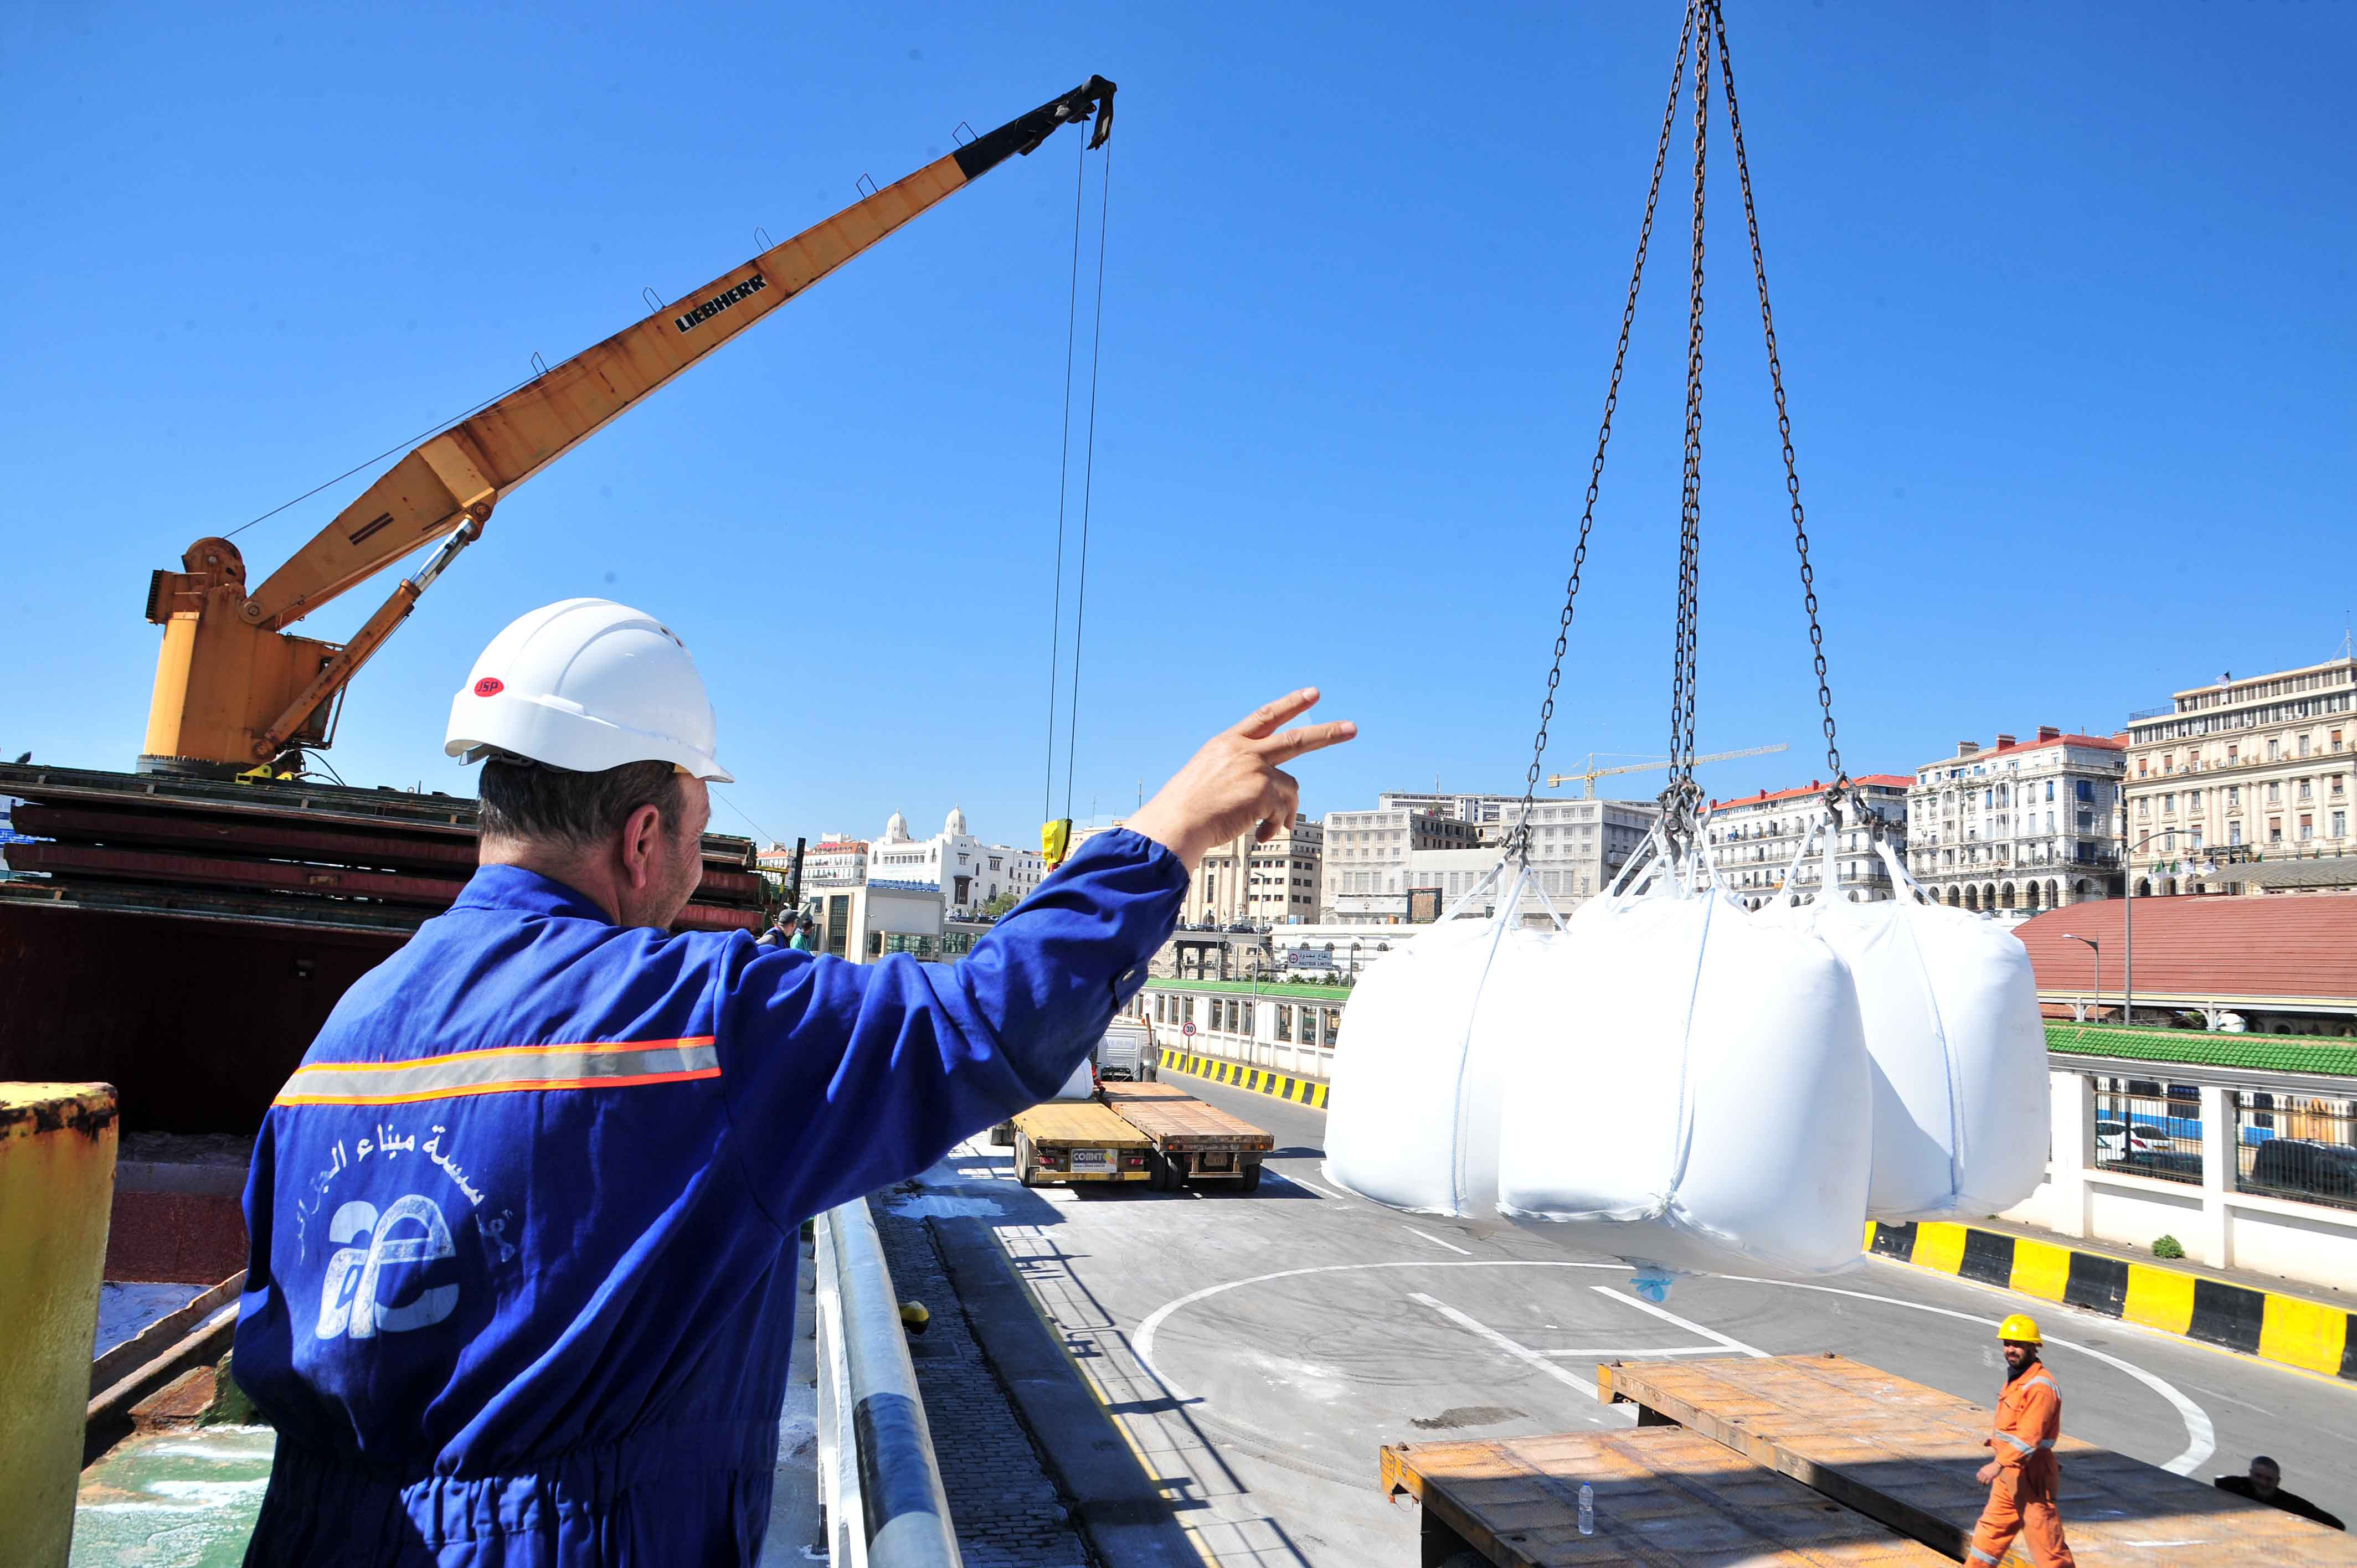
(1237, 782)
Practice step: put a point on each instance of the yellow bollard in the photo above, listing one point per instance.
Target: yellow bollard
(57, 1187)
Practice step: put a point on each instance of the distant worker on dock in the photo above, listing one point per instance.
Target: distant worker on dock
(2023, 1479)
(2264, 1484)
(524, 1221)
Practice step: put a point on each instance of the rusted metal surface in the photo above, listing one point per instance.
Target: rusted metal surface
(1183, 1125)
(1663, 1496)
(217, 871)
(238, 834)
(1906, 1456)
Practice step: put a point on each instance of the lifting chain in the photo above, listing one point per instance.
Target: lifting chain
(1705, 26)
(1681, 796)
(1519, 846)
(1838, 788)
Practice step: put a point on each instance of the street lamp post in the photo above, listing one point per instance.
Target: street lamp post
(2128, 915)
(2099, 964)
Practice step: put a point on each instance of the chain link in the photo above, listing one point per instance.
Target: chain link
(1839, 787)
(1519, 845)
(1678, 798)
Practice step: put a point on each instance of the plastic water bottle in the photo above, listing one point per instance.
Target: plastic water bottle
(1651, 1282)
(1587, 1509)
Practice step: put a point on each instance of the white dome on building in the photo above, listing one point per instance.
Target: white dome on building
(955, 826)
(896, 830)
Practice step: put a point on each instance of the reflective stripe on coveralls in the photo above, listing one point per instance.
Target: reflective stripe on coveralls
(522, 1273)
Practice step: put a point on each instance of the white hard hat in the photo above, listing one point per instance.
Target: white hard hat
(585, 685)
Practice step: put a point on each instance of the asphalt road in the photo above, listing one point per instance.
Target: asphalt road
(1256, 1349)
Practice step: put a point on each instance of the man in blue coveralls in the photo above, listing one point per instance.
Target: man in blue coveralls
(524, 1221)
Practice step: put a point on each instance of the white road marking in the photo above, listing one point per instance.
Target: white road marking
(1311, 1185)
(1610, 1351)
(1520, 1352)
(2201, 1436)
(1143, 1347)
(1438, 1241)
(1666, 1315)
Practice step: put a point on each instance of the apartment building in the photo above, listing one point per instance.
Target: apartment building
(1271, 884)
(2022, 825)
(1576, 848)
(1753, 840)
(2263, 762)
(1364, 875)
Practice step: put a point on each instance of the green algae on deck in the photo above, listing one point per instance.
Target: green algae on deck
(184, 1499)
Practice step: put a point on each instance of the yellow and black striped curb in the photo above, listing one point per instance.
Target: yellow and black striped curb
(1299, 1090)
(2310, 1335)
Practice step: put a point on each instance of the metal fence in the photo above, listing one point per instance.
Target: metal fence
(2148, 1134)
(2296, 1147)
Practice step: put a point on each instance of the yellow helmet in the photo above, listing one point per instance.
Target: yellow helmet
(2021, 1330)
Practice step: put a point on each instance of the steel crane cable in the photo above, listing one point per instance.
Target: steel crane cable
(1519, 846)
(1088, 482)
(1064, 472)
(1838, 788)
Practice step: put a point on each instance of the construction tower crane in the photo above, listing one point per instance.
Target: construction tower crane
(1589, 776)
(234, 689)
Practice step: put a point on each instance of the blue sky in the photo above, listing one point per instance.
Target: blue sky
(2064, 296)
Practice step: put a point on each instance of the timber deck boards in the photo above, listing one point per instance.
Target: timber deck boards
(1117, 1090)
(1906, 1454)
(1665, 1497)
(1059, 1122)
(1179, 1120)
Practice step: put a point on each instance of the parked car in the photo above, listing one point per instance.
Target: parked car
(2303, 1167)
(2117, 1139)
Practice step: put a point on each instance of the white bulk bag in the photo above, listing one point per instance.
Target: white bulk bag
(1958, 1044)
(1421, 1061)
(1704, 1100)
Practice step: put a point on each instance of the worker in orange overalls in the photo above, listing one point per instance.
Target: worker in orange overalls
(2023, 1478)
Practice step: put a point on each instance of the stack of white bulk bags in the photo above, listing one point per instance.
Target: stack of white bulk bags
(1958, 1045)
(1702, 1100)
(1423, 1058)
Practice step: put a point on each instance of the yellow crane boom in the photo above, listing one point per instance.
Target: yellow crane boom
(1592, 773)
(234, 690)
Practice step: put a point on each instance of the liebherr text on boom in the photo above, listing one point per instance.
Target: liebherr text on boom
(234, 690)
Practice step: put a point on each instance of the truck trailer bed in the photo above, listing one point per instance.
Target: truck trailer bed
(1078, 1141)
(1178, 1122)
(1905, 1456)
(1662, 1496)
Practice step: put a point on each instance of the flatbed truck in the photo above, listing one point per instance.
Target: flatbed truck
(1074, 1139)
(1808, 1458)
(1191, 1141)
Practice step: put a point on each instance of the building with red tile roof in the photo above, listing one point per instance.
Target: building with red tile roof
(2020, 825)
(2287, 963)
(1754, 838)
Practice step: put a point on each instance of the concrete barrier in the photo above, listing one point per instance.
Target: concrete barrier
(2313, 1336)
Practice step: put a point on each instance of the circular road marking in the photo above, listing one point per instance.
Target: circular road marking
(2201, 1436)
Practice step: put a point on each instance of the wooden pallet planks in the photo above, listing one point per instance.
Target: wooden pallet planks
(1181, 1122)
(1665, 1497)
(1906, 1454)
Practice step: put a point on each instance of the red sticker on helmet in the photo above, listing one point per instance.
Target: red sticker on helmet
(489, 686)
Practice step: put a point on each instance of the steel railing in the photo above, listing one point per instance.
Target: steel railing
(885, 1505)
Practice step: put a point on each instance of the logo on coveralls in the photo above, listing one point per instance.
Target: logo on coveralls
(405, 1239)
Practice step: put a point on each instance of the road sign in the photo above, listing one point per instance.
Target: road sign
(1188, 1029)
